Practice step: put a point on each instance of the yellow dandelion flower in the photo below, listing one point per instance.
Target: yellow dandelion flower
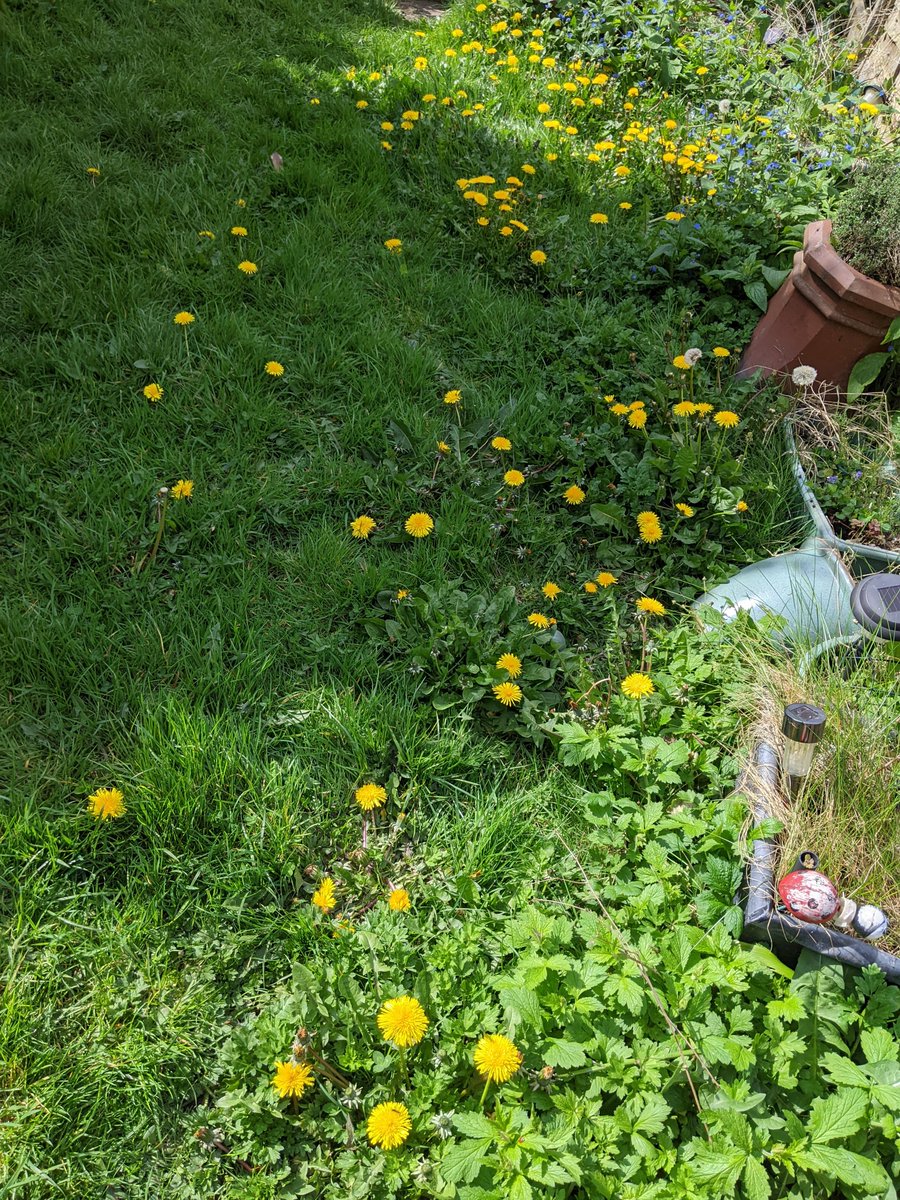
(398, 900)
(183, 489)
(726, 419)
(513, 478)
(274, 368)
(394, 245)
(153, 392)
(741, 506)
(574, 495)
(703, 410)
(402, 1021)
(684, 409)
(184, 318)
(637, 686)
(538, 257)
(496, 1058)
(248, 268)
(637, 419)
(606, 579)
(453, 397)
(648, 605)
(528, 169)
(702, 71)
(538, 620)
(483, 221)
(402, 594)
(443, 447)
(207, 233)
(649, 527)
(619, 410)
(369, 796)
(551, 590)
(721, 352)
(420, 63)
(506, 231)
(419, 525)
(361, 527)
(507, 693)
(509, 663)
(685, 510)
(239, 231)
(674, 216)
(681, 363)
(501, 443)
(625, 205)
(621, 170)
(388, 1125)
(323, 897)
(106, 803)
(599, 219)
(590, 587)
(94, 172)
(292, 1079)
(243, 203)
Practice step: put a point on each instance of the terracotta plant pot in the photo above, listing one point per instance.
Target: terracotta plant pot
(825, 315)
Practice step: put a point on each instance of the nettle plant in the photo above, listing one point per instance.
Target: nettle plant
(637, 1056)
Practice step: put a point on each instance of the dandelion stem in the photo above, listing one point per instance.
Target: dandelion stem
(163, 495)
(487, 1084)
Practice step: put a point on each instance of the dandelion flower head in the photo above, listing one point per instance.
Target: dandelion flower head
(804, 376)
(721, 352)
(551, 590)
(274, 368)
(292, 1079)
(388, 1125)
(507, 693)
(637, 419)
(398, 900)
(606, 579)
(648, 605)
(248, 268)
(513, 478)
(538, 620)
(323, 896)
(538, 257)
(402, 1021)
(685, 510)
(509, 663)
(369, 796)
(501, 443)
(684, 408)
(637, 686)
(693, 356)
(394, 245)
(183, 489)
(239, 231)
(362, 526)
(726, 419)
(573, 495)
(681, 362)
(496, 1058)
(453, 397)
(153, 392)
(419, 525)
(106, 803)
(184, 318)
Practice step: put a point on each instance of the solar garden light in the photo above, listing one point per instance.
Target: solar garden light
(811, 897)
(802, 727)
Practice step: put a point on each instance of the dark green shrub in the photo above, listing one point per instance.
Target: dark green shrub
(867, 223)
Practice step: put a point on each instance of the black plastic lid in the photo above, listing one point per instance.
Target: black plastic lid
(875, 601)
(803, 722)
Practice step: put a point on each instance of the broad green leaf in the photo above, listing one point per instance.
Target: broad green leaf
(564, 1054)
(474, 1125)
(878, 1045)
(521, 1004)
(463, 1161)
(865, 372)
(756, 291)
(651, 1117)
(892, 334)
(840, 1070)
(756, 1181)
(764, 957)
(844, 1165)
(775, 276)
(838, 1116)
(720, 1168)
(520, 1189)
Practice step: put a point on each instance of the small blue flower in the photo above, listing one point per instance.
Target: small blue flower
(832, 479)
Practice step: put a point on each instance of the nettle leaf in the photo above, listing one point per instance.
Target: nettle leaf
(721, 1168)
(840, 1070)
(627, 991)
(520, 1189)
(521, 1005)
(878, 1045)
(564, 1054)
(837, 1116)
(839, 1163)
(756, 1181)
(474, 1125)
(463, 1161)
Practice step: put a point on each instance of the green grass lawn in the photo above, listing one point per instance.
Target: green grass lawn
(232, 683)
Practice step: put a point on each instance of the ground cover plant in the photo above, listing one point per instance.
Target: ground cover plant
(328, 505)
